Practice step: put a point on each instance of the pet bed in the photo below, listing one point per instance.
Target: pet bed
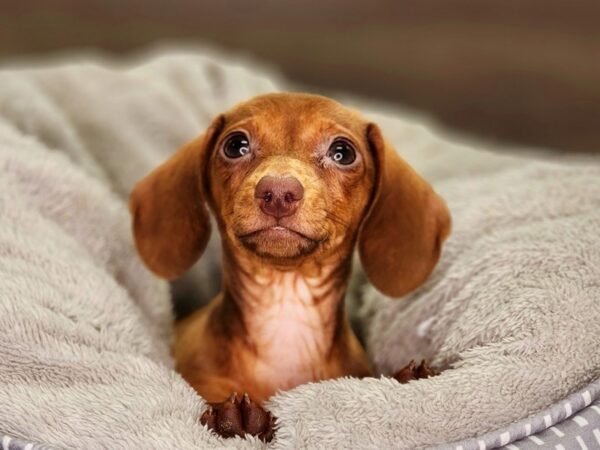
(512, 309)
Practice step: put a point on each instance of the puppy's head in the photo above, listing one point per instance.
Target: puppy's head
(292, 178)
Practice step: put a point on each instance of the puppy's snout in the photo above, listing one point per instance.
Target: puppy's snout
(279, 196)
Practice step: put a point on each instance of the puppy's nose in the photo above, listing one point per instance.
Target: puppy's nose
(279, 196)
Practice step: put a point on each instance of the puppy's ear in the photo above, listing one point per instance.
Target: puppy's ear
(401, 236)
(171, 225)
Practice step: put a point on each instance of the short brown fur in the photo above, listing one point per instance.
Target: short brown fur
(279, 320)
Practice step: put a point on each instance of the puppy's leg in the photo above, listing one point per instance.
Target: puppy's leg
(412, 371)
(235, 417)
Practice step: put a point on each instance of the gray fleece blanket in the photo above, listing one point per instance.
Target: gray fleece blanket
(512, 311)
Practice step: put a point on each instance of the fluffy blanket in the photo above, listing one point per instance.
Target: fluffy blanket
(512, 310)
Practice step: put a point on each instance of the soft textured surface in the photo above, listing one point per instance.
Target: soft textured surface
(573, 423)
(512, 309)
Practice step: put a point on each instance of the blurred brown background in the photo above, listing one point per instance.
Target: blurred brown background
(525, 72)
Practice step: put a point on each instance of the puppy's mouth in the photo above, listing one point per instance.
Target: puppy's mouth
(279, 242)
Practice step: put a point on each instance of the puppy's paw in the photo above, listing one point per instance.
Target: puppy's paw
(412, 371)
(238, 418)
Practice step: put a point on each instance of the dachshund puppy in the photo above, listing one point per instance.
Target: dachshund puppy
(294, 181)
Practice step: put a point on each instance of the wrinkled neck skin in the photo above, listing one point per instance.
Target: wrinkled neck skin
(290, 317)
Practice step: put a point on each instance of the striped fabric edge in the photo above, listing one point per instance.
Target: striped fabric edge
(11, 443)
(533, 424)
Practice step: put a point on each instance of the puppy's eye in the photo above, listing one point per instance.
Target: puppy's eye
(236, 145)
(342, 152)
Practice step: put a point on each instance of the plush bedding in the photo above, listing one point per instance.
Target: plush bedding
(512, 311)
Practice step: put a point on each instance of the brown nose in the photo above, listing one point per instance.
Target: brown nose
(279, 196)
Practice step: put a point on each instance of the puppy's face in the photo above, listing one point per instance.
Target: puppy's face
(290, 177)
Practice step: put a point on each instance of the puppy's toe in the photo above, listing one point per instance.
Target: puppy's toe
(254, 417)
(269, 431)
(229, 418)
(412, 371)
(424, 371)
(209, 418)
(407, 373)
(225, 418)
(257, 421)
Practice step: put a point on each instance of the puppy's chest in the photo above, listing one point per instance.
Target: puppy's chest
(292, 334)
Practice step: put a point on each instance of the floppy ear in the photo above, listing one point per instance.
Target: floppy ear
(171, 225)
(401, 236)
